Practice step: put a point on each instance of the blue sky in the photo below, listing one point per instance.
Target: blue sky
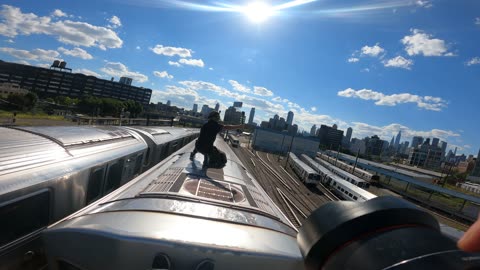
(377, 66)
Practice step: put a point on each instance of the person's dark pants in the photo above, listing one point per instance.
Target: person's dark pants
(205, 157)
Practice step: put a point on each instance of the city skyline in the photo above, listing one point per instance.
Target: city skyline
(392, 66)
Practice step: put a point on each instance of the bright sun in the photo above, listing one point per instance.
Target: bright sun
(258, 12)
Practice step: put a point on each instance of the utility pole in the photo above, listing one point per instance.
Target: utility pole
(356, 160)
(289, 150)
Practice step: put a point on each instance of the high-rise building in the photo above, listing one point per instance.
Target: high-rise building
(349, 134)
(293, 129)
(206, 110)
(443, 146)
(217, 107)
(280, 124)
(251, 116)
(374, 146)
(169, 103)
(234, 116)
(426, 155)
(313, 130)
(416, 141)
(290, 118)
(125, 80)
(392, 142)
(476, 168)
(397, 139)
(435, 142)
(357, 145)
(53, 82)
(195, 108)
(330, 137)
(237, 104)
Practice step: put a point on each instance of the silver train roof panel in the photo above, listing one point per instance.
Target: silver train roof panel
(302, 164)
(78, 135)
(20, 150)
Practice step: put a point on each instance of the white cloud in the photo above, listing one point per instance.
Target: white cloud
(115, 22)
(386, 132)
(172, 51)
(162, 74)
(424, 3)
(192, 62)
(426, 102)
(365, 70)
(421, 43)
(313, 109)
(210, 68)
(373, 51)
(239, 87)
(353, 60)
(117, 69)
(262, 91)
(138, 48)
(59, 13)
(35, 54)
(173, 63)
(399, 62)
(88, 72)
(473, 61)
(76, 52)
(477, 21)
(15, 23)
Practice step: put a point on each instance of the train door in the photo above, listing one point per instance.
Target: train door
(114, 174)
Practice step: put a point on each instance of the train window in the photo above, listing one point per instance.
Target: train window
(24, 216)
(138, 164)
(334, 183)
(95, 184)
(147, 157)
(346, 192)
(350, 195)
(355, 198)
(114, 176)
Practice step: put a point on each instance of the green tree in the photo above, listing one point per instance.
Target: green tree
(23, 102)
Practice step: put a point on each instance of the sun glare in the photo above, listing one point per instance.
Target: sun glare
(258, 12)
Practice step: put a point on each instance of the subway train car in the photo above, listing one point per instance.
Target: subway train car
(306, 174)
(174, 216)
(347, 167)
(347, 190)
(357, 181)
(47, 173)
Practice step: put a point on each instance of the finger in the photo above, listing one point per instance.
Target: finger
(471, 239)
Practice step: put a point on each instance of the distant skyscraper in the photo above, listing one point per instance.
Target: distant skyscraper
(290, 118)
(217, 107)
(435, 142)
(195, 108)
(237, 104)
(416, 141)
(443, 146)
(169, 103)
(313, 130)
(397, 139)
(251, 116)
(330, 137)
(392, 141)
(349, 134)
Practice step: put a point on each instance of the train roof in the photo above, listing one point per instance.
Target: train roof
(352, 187)
(176, 185)
(302, 164)
(20, 150)
(343, 172)
(316, 165)
(79, 135)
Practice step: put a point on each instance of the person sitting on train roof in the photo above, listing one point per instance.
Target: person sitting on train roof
(208, 134)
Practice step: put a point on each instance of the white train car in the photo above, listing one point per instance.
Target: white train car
(357, 181)
(346, 167)
(306, 174)
(234, 141)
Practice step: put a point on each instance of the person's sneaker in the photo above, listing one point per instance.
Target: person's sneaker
(192, 156)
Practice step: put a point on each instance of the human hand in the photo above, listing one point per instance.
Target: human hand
(470, 241)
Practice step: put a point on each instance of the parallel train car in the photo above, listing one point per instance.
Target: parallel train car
(339, 186)
(174, 216)
(346, 167)
(47, 173)
(357, 181)
(306, 174)
(234, 141)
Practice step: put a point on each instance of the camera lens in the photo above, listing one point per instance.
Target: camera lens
(382, 233)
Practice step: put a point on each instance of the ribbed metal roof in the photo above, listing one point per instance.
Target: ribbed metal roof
(21, 150)
(77, 135)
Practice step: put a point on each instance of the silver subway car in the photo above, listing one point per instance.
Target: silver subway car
(47, 173)
(175, 217)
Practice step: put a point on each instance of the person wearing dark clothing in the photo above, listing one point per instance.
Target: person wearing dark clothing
(208, 134)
